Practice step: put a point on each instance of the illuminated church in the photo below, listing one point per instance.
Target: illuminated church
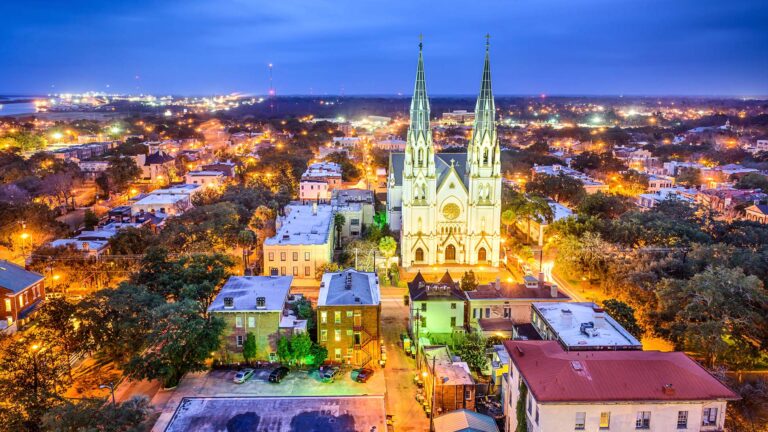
(447, 206)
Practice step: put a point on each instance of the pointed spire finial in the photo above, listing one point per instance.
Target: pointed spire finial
(421, 40)
(487, 41)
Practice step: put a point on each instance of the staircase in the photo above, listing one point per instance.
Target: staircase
(363, 349)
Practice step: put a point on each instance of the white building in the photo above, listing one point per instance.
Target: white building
(304, 242)
(205, 178)
(590, 185)
(447, 206)
(649, 200)
(610, 390)
(357, 207)
(397, 145)
(162, 204)
(658, 182)
(319, 181)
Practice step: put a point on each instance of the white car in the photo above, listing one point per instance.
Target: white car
(243, 375)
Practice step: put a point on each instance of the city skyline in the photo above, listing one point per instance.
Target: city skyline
(591, 48)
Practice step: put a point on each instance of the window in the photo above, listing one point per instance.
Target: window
(605, 420)
(238, 321)
(337, 354)
(295, 256)
(349, 332)
(488, 312)
(251, 322)
(453, 321)
(337, 317)
(271, 256)
(306, 271)
(709, 417)
(239, 340)
(273, 271)
(8, 305)
(643, 420)
(474, 313)
(467, 394)
(424, 306)
(349, 314)
(306, 256)
(323, 317)
(581, 420)
(282, 271)
(529, 403)
(507, 312)
(337, 335)
(282, 256)
(295, 271)
(537, 414)
(682, 419)
(423, 321)
(453, 305)
(355, 222)
(323, 335)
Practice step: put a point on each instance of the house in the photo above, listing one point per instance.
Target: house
(319, 180)
(94, 243)
(536, 228)
(590, 185)
(757, 213)
(495, 308)
(659, 182)
(164, 204)
(304, 241)
(436, 308)
(357, 207)
(23, 292)
(447, 381)
(465, 421)
(205, 178)
(156, 166)
(227, 168)
(648, 201)
(258, 305)
(581, 326)
(563, 390)
(349, 317)
(729, 204)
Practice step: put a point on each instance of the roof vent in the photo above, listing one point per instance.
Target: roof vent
(229, 302)
(261, 302)
(348, 281)
(668, 389)
(576, 365)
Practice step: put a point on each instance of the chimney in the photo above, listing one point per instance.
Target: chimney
(553, 290)
(599, 318)
(668, 389)
(541, 279)
(498, 283)
(566, 318)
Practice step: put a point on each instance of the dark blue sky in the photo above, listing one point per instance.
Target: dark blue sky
(699, 47)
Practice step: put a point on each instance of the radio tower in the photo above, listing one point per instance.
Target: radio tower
(271, 91)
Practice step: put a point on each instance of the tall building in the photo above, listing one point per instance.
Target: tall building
(447, 206)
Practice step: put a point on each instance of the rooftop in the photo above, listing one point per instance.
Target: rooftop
(517, 291)
(465, 421)
(584, 325)
(303, 225)
(349, 287)
(555, 375)
(176, 189)
(168, 198)
(15, 278)
(450, 371)
(244, 291)
(443, 290)
(343, 197)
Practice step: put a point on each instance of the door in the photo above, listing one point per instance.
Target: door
(450, 253)
(481, 255)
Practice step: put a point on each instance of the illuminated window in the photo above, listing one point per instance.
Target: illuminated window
(323, 335)
(323, 317)
(337, 335)
(337, 317)
(238, 321)
(605, 420)
(251, 322)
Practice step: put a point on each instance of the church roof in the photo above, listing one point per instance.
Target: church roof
(442, 166)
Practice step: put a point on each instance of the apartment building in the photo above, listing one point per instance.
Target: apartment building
(304, 242)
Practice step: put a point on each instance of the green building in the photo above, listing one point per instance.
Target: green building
(436, 309)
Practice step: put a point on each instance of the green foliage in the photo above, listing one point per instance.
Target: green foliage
(213, 228)
(468, 281)
(300, 350)
(122, 171)
(624, 315)
(90, 220)
(284, 349)
(318, 355)
(604, 206)
(95, 415)
(471, 349)
(689, 177)
(522, 423)
(394, 274)
(301, 347)
(349, 171)
(329, 267)
(303, 310)
(387, 246)
(561, 188)
(753, 181)
(599, 162)
(132, 241)
(360, 254)
(250, 347)
(179, 341)
(23, 141)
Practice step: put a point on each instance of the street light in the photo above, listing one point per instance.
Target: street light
(111, 387)
(35, 348)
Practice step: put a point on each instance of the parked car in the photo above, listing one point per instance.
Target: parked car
(329, 374)
(278, 374)
(363, 374)
(243, 375)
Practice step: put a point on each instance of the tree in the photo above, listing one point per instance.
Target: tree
(303, 310)
(94, 415)
(180, 340)
(508, 218)
(318, 355)
(468, 281)
(301, 346)
(338, 225)
(561, 188)
(624, 315)
(246, 239)
(387, 247)
(330, 267)
(349, 171)
(753, 181)
(250, 347)
(29, 381)
(132, 241)
(689, 177)
(284, 349)
(57, 317)
(213, 228)
(120, 173)
(604, 206)
(471, 349)
(90, 220)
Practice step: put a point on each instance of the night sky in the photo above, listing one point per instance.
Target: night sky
(557, 47)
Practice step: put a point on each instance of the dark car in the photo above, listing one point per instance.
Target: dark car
(329, 373)
(278, 374)
(363, 375)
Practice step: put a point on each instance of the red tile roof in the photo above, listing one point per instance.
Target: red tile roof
(555, 375)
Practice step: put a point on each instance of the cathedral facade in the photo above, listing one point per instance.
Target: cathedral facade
(447, 206)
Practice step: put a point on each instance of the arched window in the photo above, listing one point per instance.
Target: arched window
(481, 255)
(485, 156)
(419, 255)
(421, 157)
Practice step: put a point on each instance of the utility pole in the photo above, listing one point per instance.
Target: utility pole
(432, 405)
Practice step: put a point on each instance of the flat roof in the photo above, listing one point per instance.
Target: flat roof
(452, 372)
(302, 226)
(244, 290)
(280, 414)
(161, 199)
(555, 375)
(608, 334)
(349, 287)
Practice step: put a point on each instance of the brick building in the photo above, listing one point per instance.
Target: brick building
(23, 292)
(454, 387)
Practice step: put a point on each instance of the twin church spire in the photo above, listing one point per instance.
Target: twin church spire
(482, 151)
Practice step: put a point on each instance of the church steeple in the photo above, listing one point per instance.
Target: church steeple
(419, 152)
(483, 149)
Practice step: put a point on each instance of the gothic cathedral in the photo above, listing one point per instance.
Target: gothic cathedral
(447, 206)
